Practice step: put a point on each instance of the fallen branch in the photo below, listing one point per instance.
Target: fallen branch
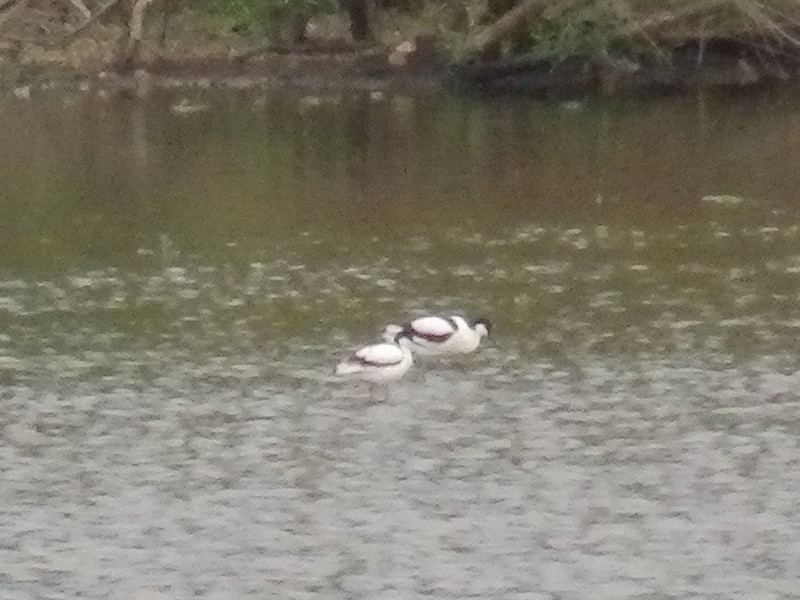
(81, 7)
(135, 31)
(51, 40)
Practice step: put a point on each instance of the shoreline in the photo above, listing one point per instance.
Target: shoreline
(717, 65)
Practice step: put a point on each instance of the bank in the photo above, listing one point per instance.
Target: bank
(660, 52)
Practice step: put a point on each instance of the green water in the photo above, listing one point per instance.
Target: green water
(175, 288)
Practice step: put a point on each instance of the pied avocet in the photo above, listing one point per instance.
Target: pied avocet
(379, 362)
(434, 335)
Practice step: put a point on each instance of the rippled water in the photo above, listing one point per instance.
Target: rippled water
(175, 288)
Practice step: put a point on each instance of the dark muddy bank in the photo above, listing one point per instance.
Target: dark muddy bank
(721, 63)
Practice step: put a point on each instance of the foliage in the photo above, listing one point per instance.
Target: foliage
(585, 32)
(258, 16)
(248, 15)
(592, 29)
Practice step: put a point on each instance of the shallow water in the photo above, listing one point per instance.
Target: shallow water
(177, 284)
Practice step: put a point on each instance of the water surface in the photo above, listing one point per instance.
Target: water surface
(175, 287)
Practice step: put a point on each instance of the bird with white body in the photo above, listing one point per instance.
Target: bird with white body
(381, 362)
(441, 335)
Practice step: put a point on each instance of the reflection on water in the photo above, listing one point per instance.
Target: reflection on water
(176, 286)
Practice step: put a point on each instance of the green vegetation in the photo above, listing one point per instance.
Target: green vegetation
(587, 32)
(262, 17)
(552, 30)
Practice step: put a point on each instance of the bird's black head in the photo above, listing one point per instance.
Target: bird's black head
(405, 334)
(483, 322)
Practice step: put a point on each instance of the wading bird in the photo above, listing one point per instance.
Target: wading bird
(381, 362)
(434, 336)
